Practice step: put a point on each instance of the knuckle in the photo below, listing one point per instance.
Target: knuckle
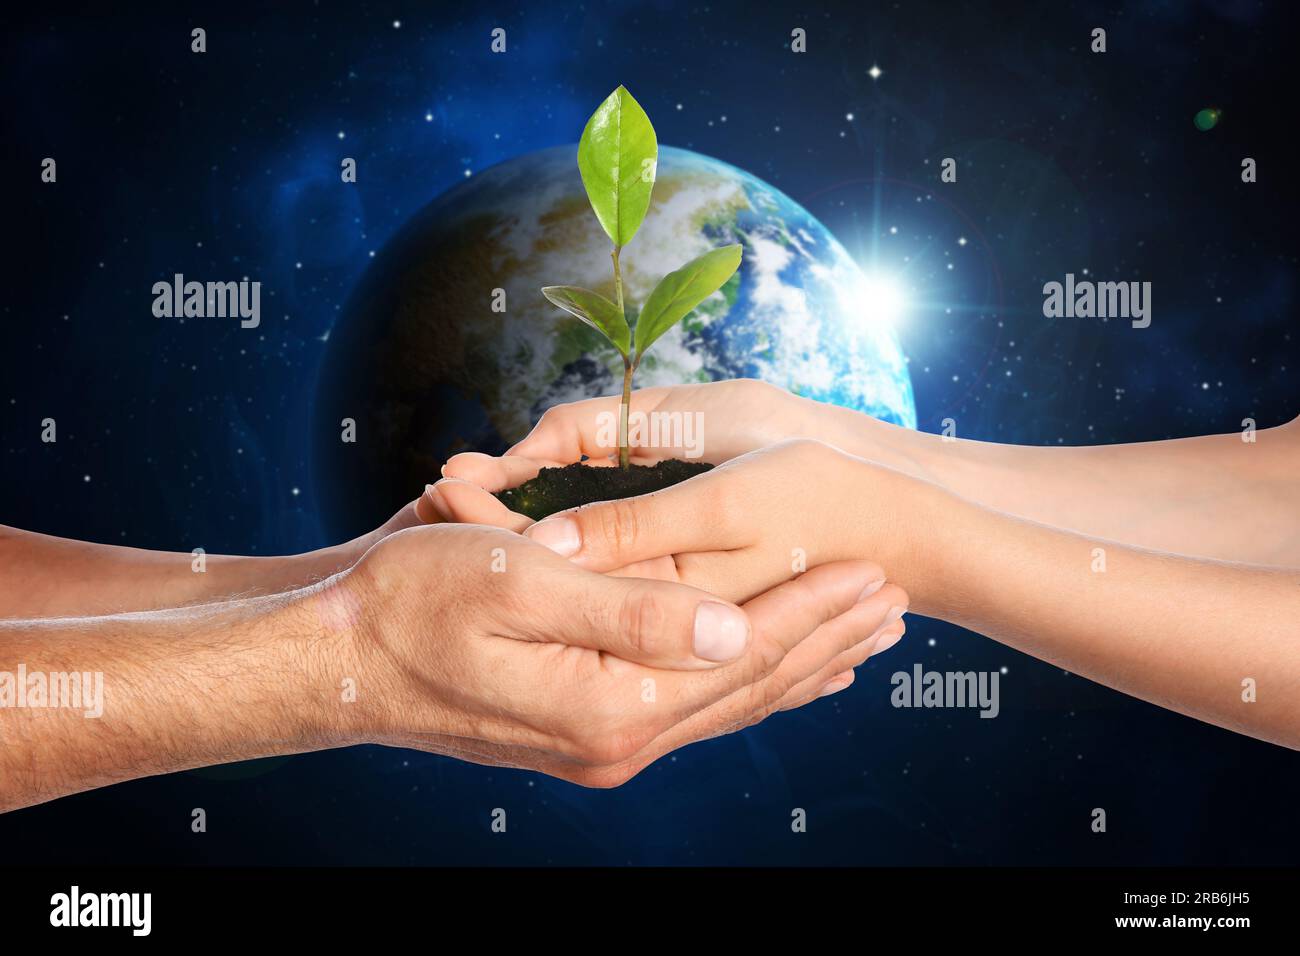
(768, 655)
(756, 705)
(611, 747)
(773, 690)
(617, 524)
(759, 699)
(512, 595)
(805, 595)
(610, 734)
(755, 389)
(602, 778)
(754, 699)
(643, 621)
(553, 418)
(803, 449)
(755, 717)
(726, 510)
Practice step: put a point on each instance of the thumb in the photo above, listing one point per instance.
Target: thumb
(691, 516)
(656, 623)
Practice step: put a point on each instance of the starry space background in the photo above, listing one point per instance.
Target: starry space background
(225, 165)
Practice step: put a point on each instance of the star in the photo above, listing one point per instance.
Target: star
(875, 72)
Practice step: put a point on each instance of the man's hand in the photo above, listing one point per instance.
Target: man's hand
(468, 641)
(482, 645)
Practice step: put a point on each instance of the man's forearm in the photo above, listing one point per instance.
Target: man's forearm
(85, 702)
(1213, 497)
(45, 576)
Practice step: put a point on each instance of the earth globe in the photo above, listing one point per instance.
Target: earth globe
(447, 345)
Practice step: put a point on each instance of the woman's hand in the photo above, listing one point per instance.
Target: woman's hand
(736, 530)
(482, 645)
(728, 419)
(711, 422)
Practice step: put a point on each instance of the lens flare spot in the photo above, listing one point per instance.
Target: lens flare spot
(1207, 119)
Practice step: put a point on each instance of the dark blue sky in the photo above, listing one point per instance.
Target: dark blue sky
(226, 165)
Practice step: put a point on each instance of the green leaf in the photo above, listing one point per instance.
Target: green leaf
(617, 156)
(594, 309)
(679, 292)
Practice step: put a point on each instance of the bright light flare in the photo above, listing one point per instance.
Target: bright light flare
(878, 300)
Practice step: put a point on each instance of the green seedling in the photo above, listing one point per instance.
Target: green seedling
(617, 156)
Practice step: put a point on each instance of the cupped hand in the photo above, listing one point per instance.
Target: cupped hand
(481, 644)
(726, 419)
(710, 422)
(734, 531)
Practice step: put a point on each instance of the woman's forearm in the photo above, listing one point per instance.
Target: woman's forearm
(1211, 639)
(1216, 641)
(1213, 497)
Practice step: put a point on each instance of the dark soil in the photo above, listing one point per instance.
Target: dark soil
(558, 489)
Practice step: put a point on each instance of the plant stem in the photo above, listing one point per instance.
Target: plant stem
(628, 369)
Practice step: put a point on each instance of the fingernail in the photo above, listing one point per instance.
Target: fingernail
(558, 534)
(833, 687)
(886, 643)
(435, 498)
(871, 589)
(894, 614)
(721, 632)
